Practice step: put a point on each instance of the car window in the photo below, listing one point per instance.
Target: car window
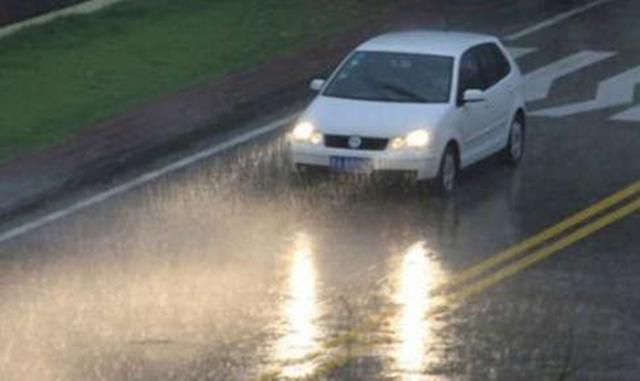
(493, 63)
(470, 73)
(504, 67)
(393, 77)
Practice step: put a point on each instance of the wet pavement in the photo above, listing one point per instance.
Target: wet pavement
(234, 269)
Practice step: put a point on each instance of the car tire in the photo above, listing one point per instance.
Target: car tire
(514, 151)
(444, 184)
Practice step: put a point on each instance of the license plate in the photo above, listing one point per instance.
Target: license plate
(350, 164)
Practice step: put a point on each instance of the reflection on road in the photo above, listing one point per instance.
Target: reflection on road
(417, 276)
(300, 312)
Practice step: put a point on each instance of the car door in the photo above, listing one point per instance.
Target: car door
(473, 117)
(495, 70)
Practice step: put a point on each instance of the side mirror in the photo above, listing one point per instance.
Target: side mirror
(317, 84)
(473, 96)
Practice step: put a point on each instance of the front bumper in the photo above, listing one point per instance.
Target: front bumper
(424, 165)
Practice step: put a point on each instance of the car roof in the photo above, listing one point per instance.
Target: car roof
(426, 42)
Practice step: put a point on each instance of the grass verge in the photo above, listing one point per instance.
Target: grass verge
(63, 76)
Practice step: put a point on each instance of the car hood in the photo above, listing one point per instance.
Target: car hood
(371, 118)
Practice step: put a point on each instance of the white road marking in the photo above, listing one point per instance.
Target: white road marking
(616, 91)
(631, 115)
(123, 188)
(150, 176)
(519, 52)
(555, 20)
(80, 9)
(538, 83)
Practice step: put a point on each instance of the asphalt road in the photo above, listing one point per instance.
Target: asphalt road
(231, 269)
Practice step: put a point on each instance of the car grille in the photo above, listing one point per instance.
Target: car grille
(368, 144)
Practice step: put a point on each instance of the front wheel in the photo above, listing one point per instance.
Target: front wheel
(444, 185)
(513, 152)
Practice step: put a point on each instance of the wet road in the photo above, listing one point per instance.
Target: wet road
(233, 269)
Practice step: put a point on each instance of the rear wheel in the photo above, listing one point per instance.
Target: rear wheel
(514, 151)
(444, 185)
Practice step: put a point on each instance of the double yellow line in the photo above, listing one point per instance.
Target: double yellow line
(541, 246)
(513, 260)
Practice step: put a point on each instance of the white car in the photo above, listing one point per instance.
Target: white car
(422, 102)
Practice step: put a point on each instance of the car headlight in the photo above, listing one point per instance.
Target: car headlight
(306, 132)
(414, 139)
(398, 143)
(418, 138)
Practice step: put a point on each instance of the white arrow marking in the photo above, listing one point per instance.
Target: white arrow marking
(555, 20)
(538, 83)
(631, 115)
(615, 91)
(519, 52)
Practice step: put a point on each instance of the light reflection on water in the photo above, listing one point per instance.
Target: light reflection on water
(418, 275)
(300, 310)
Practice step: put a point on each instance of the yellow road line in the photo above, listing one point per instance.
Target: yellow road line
(452, 301)
(543, 253)
(543, 236)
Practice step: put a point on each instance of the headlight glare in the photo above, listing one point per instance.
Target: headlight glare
(397, 143)
(303, 131)
(316, 138)
(418, 138)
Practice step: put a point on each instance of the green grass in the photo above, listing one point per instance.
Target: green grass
(60, 77)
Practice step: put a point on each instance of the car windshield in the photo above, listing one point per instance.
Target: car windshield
(393, 77)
